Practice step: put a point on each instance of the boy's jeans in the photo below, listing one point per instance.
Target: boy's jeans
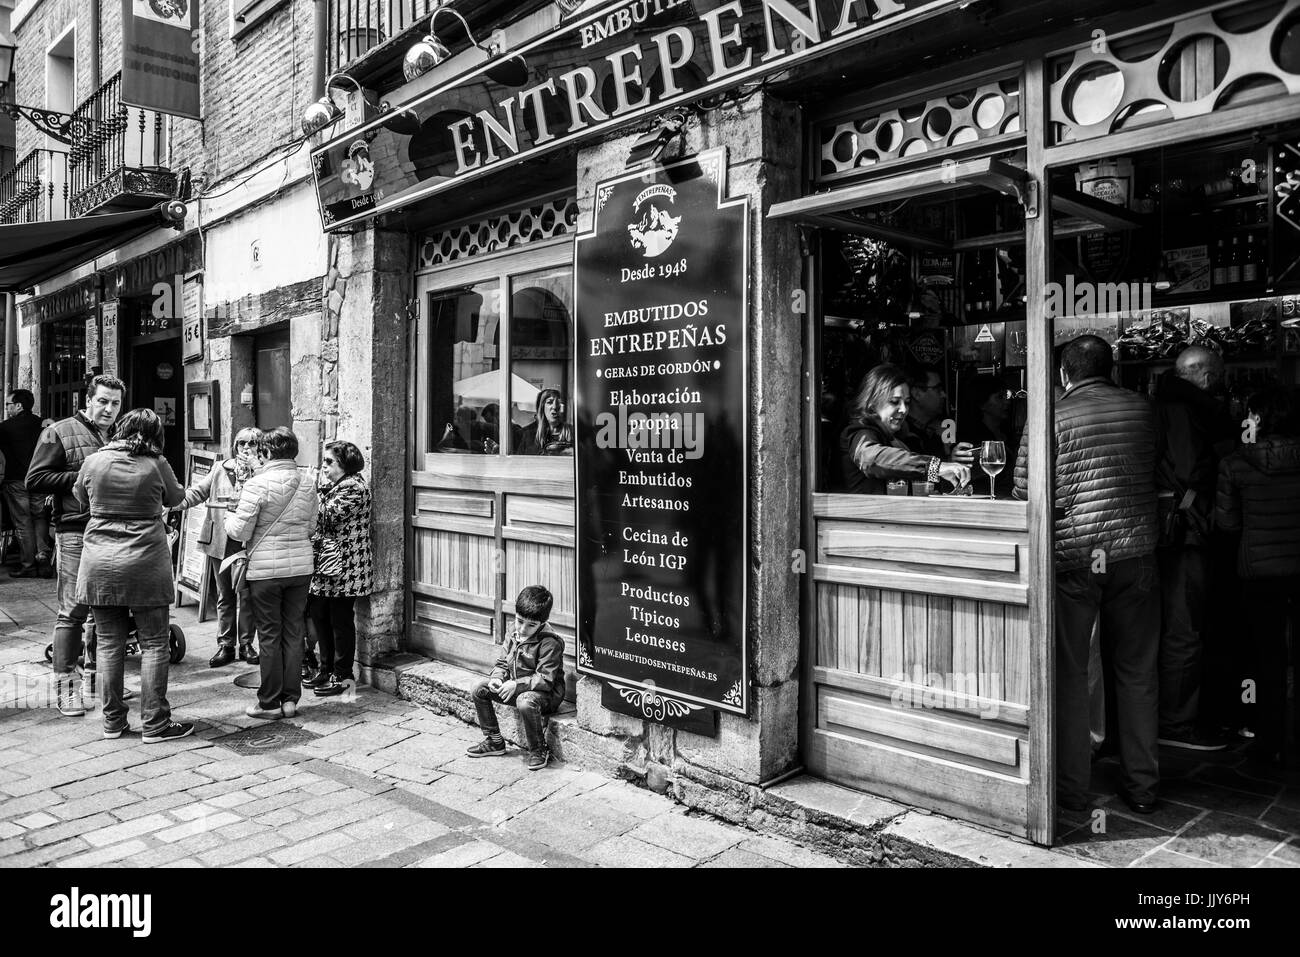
(533, 707)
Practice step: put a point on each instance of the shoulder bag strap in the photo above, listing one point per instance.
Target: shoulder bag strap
(284, 508)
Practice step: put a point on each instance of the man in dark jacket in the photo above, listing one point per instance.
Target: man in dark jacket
(18, 434)
(1194, 433)
(55, 464)
(1105, 445)
(529, 674)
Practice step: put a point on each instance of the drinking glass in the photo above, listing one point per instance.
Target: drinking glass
(993, 459)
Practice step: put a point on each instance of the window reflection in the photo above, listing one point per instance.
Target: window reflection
(541, 363)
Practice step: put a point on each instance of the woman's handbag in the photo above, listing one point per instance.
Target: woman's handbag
(237, 562)
(329, 559)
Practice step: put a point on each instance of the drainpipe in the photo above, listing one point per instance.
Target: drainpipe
(11, 345)
(320, 29)
(92, 37)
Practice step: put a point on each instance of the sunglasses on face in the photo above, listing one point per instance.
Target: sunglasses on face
(327, 460)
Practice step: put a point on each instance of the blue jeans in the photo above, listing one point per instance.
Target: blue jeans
(72, 615)
(279, 609)
(153, 626)
(533, 707)
(28, 511)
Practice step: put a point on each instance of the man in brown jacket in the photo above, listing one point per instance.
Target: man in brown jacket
(1105, 445)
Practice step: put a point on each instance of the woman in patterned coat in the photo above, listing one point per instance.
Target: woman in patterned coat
(342, 528)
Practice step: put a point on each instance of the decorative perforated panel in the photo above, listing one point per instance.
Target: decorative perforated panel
(951, 119)
(543, 221)
(1189, 67)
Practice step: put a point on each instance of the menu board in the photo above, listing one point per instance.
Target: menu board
(661, 422)
(191, 562)
(108, 339)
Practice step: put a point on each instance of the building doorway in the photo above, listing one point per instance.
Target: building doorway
(271, 373)
(157, 383)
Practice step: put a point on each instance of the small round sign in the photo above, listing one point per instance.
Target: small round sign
(165, 371)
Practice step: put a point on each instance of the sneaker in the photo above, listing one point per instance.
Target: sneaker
(173, 731)
(1196, 741)
(332, 685)
(72, 705)
(114, 735)
(538, 759)
(487, 748)
(254, 710)
(288, 708)
(317, 680)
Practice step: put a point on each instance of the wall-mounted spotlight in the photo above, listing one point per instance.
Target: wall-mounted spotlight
(651, 145)
(323, 112)
(428, 52)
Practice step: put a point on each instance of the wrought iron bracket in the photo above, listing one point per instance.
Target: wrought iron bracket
(63, 127)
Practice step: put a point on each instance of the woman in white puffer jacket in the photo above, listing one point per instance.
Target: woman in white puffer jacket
(275, 518)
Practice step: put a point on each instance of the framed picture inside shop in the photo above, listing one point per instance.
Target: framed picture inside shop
(202, 411)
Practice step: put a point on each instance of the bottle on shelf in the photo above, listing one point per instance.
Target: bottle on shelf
(1233, 276)
(1250, 271)
(1219, 274)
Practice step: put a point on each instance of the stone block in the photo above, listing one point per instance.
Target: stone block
(751, 749)
(598, 720)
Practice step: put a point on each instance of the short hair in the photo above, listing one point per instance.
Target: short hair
(534, 603)
(877, 385)
(141, 431)
(349, 457)
(1276, 408)
(1087, 357)
(108, 382)
(246, 434)
(24, 398)
(280, 443)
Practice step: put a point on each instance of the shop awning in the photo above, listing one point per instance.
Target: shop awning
(33, 252)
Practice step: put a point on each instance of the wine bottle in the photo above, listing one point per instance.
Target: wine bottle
(1250, 267)
(1234, 264)
(1219, 275)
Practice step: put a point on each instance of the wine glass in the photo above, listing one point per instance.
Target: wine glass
(993, 459)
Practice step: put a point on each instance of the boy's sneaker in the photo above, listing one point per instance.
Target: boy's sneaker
(173, 731)
(487, 748)
(538, 759)
(71, 702)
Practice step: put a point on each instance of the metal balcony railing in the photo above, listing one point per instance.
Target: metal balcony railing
(121, 157)
(36, 189)
(357, 26)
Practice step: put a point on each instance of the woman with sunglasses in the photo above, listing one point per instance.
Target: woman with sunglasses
(220, 488)
(344, 566)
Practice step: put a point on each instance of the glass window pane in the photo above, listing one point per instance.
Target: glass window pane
(464, 387)
(541, 362)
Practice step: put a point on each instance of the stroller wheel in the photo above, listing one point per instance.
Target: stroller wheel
(49, 652)
(177, 644)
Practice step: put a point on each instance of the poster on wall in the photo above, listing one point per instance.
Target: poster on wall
(191, 562)
(92, 342)
(160, 59)
(660, 409)
(108, 340)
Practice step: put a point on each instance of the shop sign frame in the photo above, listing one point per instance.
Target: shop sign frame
(350, 186)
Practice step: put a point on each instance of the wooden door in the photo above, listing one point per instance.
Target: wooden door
(487, 520)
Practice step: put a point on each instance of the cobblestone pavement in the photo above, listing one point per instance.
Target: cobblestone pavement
(367, 781)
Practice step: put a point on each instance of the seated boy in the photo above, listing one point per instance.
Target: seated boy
(529, 674)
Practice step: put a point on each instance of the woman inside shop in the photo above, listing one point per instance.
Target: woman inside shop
(549, 434)
(872, 452)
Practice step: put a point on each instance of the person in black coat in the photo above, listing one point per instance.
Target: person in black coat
(1194, 433)
(19, 433)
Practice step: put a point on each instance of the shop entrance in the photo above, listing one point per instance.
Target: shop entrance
(922, 657)
(492, 477)
(158, 382)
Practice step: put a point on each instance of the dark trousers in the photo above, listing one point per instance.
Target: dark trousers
(234, 611)
(1128, 599)
(279, 607)
(1184, 580)
(331, 625)
(153, 629)
(533, 707)
(1269, 603)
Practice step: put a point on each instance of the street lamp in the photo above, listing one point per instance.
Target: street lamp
(323, 112)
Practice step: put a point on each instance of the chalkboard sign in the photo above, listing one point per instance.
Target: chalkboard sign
(191, 562)
(661, 422)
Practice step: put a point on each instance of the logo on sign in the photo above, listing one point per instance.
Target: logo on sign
(655, 231)
(173, 12)
(985, 334)
(358, 169)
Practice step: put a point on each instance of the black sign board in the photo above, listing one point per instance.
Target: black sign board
(661, 417)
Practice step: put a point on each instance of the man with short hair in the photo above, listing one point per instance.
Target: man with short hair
(1105, 447)
(55, 464)
(18, 435)
(1195, 432)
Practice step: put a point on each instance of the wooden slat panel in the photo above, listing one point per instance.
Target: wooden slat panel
(563, 622)
(461, 563)
(827, 626)
(846, 645)
(1009, 592)
(1016, 651)
(432, 500)
(448, 594)
(561, 538)
(550, 475)
(938, 654)
(528, 563)
(935, 510)
(919, 727)
(539, 511)
(885, 689)
(891, 633)
(439, 522)
(439, 614)
(477, 653)
(949, 552)
(869, 631)
(949, 787)
(992, 670)
(965, 635)
(916, 625)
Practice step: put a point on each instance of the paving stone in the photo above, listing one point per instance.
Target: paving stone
(508, 859)
(68, 829)
(1162, 857)
(21, 806)
(93, 804)
(466, 855)
(409, 772)
(169, 783)
(115, 832)
(199, 825)
(1289, 852)
(304, 850)
(230, 799)
(229, 786)
(736, 858)
(105, 855)
(787, 853)
(627, 851)
(96, 785)
(632, 800)
(1123, 841)
(1227, 839)
(559, 824)
(140, 808)
(692, 836)
(48, 854)
(364, 852)
(33, 821)
(8, 830)
(285, 815)
(241, 850)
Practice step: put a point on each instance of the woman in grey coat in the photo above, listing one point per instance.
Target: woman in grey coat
(126, 567)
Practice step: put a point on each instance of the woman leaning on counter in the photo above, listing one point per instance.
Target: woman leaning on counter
(872, 452)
